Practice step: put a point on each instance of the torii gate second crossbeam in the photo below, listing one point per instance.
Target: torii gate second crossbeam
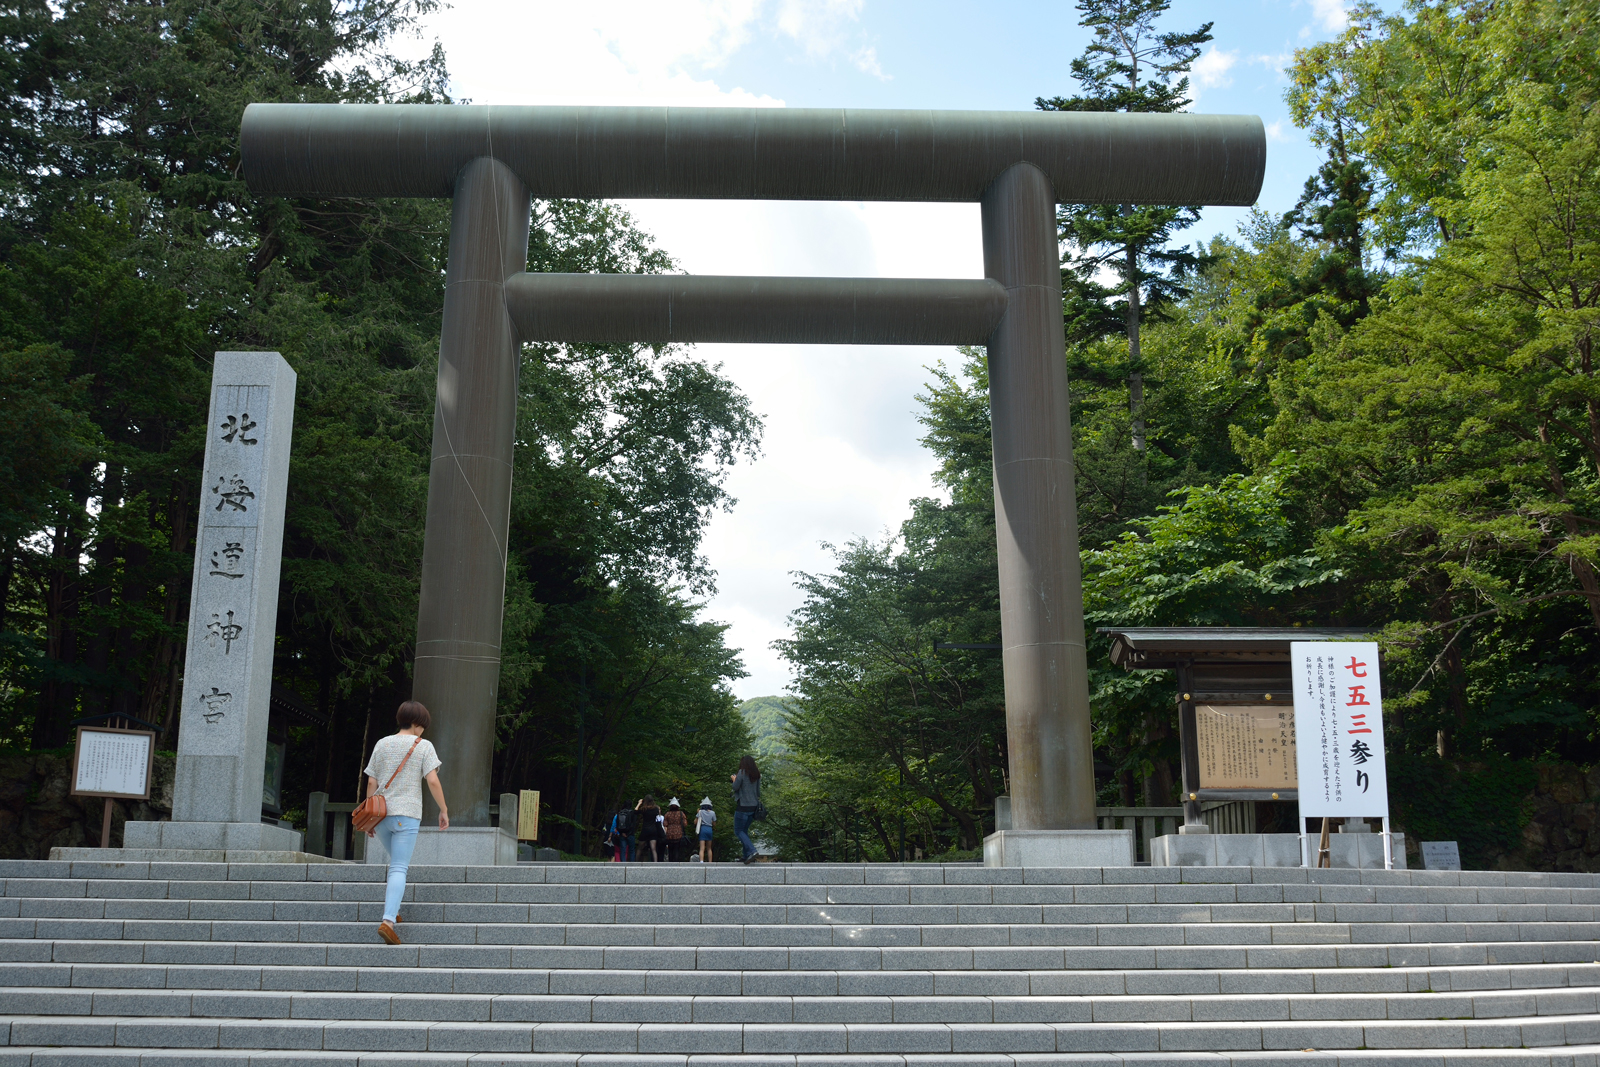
(1017, 165)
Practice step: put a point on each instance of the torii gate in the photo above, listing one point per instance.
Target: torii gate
(491, 160)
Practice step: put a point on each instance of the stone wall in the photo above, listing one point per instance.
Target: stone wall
(1563, 833)
(37, 812)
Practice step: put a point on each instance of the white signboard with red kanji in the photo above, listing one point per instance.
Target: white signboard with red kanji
(1338, 727)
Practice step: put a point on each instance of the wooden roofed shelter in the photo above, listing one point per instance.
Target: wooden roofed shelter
(1235, 705)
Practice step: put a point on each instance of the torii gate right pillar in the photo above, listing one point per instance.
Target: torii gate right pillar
(1036, 521)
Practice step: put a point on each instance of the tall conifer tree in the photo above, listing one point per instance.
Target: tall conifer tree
(1129, 67)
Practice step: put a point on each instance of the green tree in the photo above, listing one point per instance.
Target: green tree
(891, 738)
(1226, 555)
(1419, 94)
(1129, 66)
(767, 718)
(130, 242)
(130, 250)
(1452, 438)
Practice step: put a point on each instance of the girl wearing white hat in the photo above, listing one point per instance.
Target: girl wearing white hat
(704, 820)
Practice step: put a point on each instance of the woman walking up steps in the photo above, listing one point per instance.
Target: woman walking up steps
(403, 761)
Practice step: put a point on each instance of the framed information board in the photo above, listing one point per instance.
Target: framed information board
(528, 815)
(1246, 747)
(115, 764)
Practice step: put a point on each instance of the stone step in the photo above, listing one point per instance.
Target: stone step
(687, 938)
(186, 855)
(572, 893)
(533, 982)
(792, 874)
(734, 1039)
(939, 904)
(422, 910)
(681, 1009)
(1560, 1056)
(781, 958)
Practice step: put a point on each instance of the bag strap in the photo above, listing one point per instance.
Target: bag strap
(398, 769)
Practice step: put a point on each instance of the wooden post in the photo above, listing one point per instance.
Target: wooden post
(105, 826)
(1324, 857)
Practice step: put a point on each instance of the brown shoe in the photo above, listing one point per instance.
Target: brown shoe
(387, 932)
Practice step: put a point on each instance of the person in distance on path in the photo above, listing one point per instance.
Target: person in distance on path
(415, 761)
(651, 830)
(676, 824)
(746, 799)
(704, 820)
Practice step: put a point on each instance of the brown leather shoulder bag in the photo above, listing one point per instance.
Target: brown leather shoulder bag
(371, 811)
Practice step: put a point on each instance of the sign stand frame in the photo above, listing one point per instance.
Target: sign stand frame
(149, 770)
(1305, 844)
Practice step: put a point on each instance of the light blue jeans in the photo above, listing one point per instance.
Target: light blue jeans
(399, 836)
(741, 830)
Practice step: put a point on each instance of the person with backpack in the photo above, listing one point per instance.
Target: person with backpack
(676, 824)
(624, 825)
(704, 820)
(746, 803)
(402, 761)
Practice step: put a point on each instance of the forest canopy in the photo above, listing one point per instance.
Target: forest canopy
(130, 252)
(1379, 409)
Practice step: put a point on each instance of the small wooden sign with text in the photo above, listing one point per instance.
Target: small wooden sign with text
(528, 815)
(113, 763)
(1246, 746)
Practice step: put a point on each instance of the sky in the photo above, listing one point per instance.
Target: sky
(840, 454)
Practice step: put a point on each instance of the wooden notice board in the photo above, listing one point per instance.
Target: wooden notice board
(113, 763)
(1246, 746)
(528, 815)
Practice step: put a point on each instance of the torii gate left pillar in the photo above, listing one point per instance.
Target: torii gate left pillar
(457, 671)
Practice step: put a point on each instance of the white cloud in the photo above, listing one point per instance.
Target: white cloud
(840, 457)
(866, 61)
(1330, 14)
(1211, 69)
(821, 27)
(1275, 131)
(1277, 63)
(621, 53)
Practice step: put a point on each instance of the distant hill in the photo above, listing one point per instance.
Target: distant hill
(766, 717)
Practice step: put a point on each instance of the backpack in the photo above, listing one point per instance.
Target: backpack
(627, 822)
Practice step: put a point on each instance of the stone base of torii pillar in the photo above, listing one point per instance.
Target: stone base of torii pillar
(1059, 848)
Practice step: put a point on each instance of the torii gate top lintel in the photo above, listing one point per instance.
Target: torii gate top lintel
(751, 153)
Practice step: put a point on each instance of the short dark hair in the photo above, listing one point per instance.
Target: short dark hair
(412, 713)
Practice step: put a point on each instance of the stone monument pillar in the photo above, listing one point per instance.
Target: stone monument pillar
(233, 607)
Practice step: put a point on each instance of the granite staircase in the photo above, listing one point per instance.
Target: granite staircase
(774, 964)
